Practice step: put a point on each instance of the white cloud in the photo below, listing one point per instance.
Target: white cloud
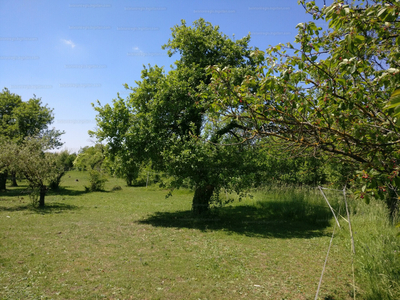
(69, 43)
(136, 48)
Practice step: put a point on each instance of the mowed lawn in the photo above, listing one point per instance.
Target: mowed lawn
(136, 244)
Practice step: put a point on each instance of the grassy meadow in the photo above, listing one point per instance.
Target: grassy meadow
(134, 243)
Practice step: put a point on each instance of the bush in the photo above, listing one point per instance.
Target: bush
(54, 183)
(116, 188)
(97, 181)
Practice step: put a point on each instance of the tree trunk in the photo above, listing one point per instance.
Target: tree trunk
(129, 180)
(201, 199)
(392, 203)
(43, 190)
(3, 180)
(14, 178)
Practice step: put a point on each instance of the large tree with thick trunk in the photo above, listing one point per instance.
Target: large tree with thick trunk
(164, 121)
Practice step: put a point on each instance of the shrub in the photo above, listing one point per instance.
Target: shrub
(116, 188)
(97, 181)
(54, 183)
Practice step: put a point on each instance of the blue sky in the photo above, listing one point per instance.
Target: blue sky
(73, 53)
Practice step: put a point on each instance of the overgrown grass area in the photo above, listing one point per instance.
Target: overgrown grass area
(377, 260)
(133, 243)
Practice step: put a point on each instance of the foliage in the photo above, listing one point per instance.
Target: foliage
(93, 159)
(36, 166)
(90, 158)
(19, 119)
(163, 123)
(6, 161)
(64, 162)
(97, 181)
(326, 93)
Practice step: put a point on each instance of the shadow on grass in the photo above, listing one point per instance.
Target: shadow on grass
(50, 208)
(269, 220)
(24, 191)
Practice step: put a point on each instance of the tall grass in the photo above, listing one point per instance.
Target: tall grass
(377, 260)
(296, 203)
(377, 263)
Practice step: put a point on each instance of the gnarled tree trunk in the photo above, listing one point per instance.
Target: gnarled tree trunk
(42, 194)
(201, 199)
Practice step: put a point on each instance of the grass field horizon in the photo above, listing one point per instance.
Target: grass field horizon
(136, 244)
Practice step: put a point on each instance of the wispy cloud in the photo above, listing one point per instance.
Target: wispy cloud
(69, 43)
(136, 48)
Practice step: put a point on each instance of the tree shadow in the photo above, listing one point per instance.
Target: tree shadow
(25, 191)
(64, 191)
(267, 220)
(51, 208)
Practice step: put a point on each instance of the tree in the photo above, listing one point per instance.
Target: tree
(90, 158)
(64, 162)
(30, 160)
(93, 160)
(163, 122)
(328, 92)
(19, 119)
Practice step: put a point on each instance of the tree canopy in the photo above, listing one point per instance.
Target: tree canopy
(162, 121)
(326, 93)
(19, 120)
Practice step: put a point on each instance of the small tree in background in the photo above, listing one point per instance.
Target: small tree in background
(93, 159)
(30, 160)
(64, 162)
(97, 181)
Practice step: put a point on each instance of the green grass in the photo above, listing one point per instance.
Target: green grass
(136, 244)
(377, 260)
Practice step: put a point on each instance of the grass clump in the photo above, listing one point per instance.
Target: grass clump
(377, 263)
(300, 204)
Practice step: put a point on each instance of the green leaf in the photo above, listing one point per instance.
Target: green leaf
(359, 38)
(364, 188)
(394, 102)
(341, 81)
(381, 12)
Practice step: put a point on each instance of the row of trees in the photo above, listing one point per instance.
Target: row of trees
(324, 97)
(229, 116)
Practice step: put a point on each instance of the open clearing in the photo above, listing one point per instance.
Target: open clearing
(136, 244)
